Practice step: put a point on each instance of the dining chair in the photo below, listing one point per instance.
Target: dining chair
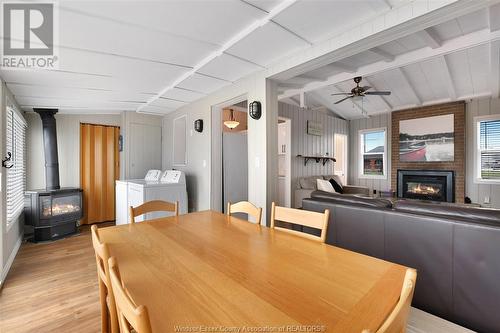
(300, 217)
(131, 318)
(109, 321)
(397, 320)
(245, 207)
(153, 206)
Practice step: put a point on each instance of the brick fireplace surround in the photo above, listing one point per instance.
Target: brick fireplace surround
(458, 165)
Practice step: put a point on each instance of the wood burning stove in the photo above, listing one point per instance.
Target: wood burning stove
(53, 212)
(426, 185)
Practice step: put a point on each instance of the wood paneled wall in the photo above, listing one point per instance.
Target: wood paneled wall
(305, 144)
(383, 120)
(478, 192)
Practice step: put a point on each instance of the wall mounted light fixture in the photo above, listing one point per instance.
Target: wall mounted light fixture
(231, 123)
(255, 110)
(198, 125)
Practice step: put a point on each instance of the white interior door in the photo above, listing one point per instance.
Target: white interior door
(340, 166)
(235, 167)
(145, 149)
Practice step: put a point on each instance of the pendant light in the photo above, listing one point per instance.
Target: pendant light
(231, 123)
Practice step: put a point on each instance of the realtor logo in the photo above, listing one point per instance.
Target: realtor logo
(29, 31)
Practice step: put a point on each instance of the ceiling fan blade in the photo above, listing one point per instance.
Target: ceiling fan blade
(340, 94)
(343, 99)
(378, 93)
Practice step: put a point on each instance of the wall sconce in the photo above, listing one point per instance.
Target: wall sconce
(255, 110)
(198, 125)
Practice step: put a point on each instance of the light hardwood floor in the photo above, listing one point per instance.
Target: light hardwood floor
(52, 287)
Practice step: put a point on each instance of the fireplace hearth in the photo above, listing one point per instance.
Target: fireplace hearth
(426, 185)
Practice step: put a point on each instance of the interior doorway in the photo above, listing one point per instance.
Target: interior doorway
(284, 162)
(340, 153)
(99, 169)
(229, 153)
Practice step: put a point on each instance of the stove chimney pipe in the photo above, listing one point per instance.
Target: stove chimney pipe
(50, 147)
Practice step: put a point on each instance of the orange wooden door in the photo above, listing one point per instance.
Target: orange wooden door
(99, 168)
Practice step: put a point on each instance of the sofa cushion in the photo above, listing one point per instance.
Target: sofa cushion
(344, 199)
(324, 185)
(308, 183)
(336, 185)
(337, 178)
(482, 215)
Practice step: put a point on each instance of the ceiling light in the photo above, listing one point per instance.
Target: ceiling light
(231, 123)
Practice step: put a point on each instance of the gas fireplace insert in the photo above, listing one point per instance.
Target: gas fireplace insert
(426, 185)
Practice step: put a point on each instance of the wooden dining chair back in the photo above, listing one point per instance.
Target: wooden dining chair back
(109, 321)
(153, 206)
(247, 208)
(300, 217)
(397, 320)
(131, 318)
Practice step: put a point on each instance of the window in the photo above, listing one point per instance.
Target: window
(488, 149)
(16, 175)
(180, 141)
(373, 153)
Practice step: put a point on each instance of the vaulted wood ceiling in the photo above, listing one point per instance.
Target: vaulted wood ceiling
(157, 56)
(455, 60)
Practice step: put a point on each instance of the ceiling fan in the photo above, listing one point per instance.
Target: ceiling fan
(360, 91)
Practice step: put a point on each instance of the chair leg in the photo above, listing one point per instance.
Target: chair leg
(104, 308)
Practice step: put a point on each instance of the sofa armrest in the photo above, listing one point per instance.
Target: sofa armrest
(350, 189)
(299, 195)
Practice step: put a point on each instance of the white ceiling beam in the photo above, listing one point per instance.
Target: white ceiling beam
(327, 103)
(430, 37)
(386, 56)
(460, 43)
(240, 35)
(403, 74)
(450, 85)
(312, 78)
(290, 85)
(495, 69)
(302, 100)
(342, 67)
(345, 45)
(291, 100)
(494, 17)
(384, 100)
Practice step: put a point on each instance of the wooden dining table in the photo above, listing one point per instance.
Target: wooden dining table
(209, 272)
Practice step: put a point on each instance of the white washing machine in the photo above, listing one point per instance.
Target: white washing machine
(167, 186)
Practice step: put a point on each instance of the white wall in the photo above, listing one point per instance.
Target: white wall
(383, 120)
(11, 236)
(128, 121)
(261, 137)
(68, 146)
(305, 144)
(478, 192)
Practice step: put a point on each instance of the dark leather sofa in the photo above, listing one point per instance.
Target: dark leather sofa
(456, 250)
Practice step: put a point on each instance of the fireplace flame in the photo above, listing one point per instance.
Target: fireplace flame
(425, 190)
(61, 209)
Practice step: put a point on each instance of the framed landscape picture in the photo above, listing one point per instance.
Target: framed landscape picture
(429, 139)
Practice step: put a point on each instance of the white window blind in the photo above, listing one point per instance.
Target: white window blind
(16, 176)
(489, 149)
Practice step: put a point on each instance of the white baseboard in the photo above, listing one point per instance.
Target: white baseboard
(5, 270)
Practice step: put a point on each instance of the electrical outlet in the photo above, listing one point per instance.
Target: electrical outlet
(487, 200)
